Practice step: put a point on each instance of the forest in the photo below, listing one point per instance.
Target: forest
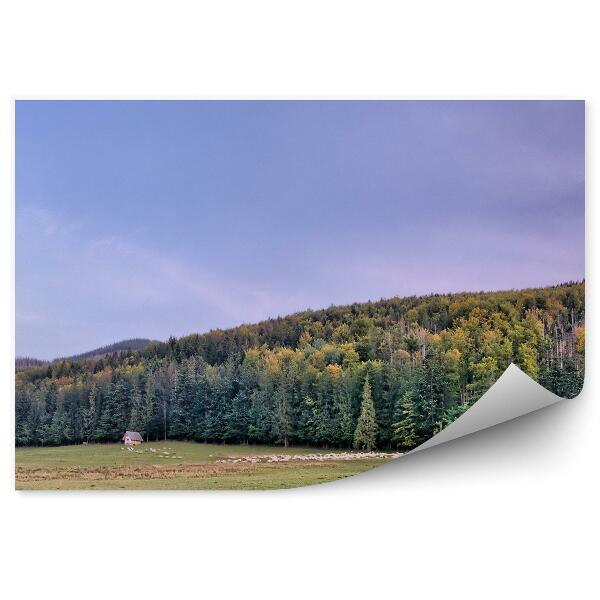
(375, 375)
(25, 362)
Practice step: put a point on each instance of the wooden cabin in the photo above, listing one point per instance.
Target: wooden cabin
(132, 438)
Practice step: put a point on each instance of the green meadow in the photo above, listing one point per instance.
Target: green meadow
(176, 465)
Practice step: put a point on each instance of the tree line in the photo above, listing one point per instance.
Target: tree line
(376, 375)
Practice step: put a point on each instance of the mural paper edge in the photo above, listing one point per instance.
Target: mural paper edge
(513, 395)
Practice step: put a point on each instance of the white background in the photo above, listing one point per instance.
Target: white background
(507, 513)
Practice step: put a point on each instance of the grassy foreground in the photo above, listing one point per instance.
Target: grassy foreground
(174, 465)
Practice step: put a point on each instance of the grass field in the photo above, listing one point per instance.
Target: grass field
(174, 465)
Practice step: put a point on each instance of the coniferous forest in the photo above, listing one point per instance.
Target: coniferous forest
(375, 375)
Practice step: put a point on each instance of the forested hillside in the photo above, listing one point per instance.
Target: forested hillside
(385, 374)
(132, 345)
(25, 362)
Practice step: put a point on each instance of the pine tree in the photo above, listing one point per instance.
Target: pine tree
(50, 401)
(217, 405)
(60, 431)
(238, 418)
(89, 415)
(346, 420)
(150, 411)
(23, 409)
(431, 397)
(405, 427)
(261, 415)
(136, 420)
(282, 424)
(111, 425)
(365, 436)
(200, 408)
(183, 402)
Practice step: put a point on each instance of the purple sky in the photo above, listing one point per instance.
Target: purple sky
(146, 219)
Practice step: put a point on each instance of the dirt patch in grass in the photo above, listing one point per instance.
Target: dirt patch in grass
(205, 470)
(208, 469)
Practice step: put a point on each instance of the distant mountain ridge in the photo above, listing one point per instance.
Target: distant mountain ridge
(26, 362)
(132, 345)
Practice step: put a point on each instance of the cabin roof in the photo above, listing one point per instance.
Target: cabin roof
(134, 436)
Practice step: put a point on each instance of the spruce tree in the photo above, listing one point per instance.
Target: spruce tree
(365, 436)
(111, 425)
(282, 423)
(89, 415)
(237, 419)
(150, 411)
(346, 421)
(136, 419)
(405, 427)
(431, 395)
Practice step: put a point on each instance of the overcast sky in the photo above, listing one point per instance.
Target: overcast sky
(150, 219)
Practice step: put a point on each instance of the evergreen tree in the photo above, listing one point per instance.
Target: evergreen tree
(136, 419)
(183, 400)
(89, 415)
(200, 408)
(261, 416)
(238, 418)
(365, 436)
(150, 413)
(111, 425)
(346, 425)
(23, 409)
(60, 432)
(405, 427)
(431, 397)
(46, 432)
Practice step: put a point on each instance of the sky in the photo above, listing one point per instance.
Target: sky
(158, 218)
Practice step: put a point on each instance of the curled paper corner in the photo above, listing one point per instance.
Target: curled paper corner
(513, 395)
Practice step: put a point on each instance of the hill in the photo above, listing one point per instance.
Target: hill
(386, 374)
(132, 345)
(26, 362)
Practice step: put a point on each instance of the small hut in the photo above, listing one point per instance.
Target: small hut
(132, 438)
